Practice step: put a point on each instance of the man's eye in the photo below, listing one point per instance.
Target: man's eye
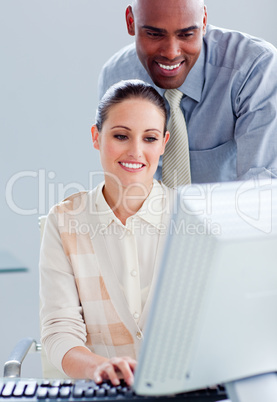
(154, 34)
(186, 35)
(120, 137)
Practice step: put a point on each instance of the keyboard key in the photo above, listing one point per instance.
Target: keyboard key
(126, 391)
(53, 393)
(8, 389)
(78, 392)
(89, 393)
(122, 389)
(56, 383)
(112, 392)
(67, 382)
(42, 392)
(45, 383)
(65, 392)
(30, 389)
(19, 388)
(100, 392)
(106, 385)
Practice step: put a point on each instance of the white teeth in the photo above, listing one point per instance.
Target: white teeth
(169, 67)
(132, 165)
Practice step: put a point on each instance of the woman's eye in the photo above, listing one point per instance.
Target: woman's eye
(120, 137)
(150, 139)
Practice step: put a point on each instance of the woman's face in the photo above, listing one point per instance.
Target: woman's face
(131, 142)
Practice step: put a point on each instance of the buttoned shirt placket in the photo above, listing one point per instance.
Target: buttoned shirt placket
(132, 275)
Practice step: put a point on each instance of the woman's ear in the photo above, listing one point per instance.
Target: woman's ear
(95, 136)
(166, 138)
(130, 21)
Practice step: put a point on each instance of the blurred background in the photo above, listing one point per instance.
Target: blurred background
(51, 55)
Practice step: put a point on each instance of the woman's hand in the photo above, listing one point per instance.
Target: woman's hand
(114, 369)
(79, 362)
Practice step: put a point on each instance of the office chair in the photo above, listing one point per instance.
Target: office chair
(12, 367)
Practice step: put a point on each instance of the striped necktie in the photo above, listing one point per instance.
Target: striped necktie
(176, 164)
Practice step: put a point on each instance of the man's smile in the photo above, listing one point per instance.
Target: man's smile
(168, 67)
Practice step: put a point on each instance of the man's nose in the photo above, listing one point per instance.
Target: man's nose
(170, 48)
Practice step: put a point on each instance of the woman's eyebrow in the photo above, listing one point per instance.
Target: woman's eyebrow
(126, 128)
(153, 129)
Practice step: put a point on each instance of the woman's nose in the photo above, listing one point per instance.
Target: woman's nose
(135, 150)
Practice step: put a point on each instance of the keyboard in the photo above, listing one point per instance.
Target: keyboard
(29, 390)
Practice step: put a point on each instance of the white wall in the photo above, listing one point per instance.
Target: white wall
(253, 17)
(51, 54)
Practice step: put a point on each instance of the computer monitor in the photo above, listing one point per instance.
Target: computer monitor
(213, 317)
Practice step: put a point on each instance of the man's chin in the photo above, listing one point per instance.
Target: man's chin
(167, 82)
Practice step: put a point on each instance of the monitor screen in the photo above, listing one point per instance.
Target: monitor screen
(213, 317)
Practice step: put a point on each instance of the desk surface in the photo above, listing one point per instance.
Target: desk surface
(10, 264)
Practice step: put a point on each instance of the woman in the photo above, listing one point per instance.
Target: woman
(101, 248)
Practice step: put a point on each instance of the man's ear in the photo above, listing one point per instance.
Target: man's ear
(130, 21)
(95, 136)
(205, 20)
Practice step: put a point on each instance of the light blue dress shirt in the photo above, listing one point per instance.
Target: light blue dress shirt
(229, 103)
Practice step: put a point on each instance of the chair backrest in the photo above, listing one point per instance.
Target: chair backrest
(48, 370)
(41, 224)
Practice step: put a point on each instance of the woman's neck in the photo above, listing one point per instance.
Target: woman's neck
(125, 201)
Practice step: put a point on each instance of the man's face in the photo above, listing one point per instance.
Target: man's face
(169, 37)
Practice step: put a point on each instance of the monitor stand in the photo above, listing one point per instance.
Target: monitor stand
(255, 389)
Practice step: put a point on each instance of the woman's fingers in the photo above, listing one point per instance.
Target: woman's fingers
(106, 371)
(115, 368)
(125, 366)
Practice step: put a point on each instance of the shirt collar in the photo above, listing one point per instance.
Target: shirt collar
(104, 211)
(154, 205)
(151, 211)
(194, 82)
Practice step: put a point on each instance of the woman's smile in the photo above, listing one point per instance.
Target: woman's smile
(132, 166)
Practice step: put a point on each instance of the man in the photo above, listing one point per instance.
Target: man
(229, 82)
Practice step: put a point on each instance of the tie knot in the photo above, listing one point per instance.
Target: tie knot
(174, 97)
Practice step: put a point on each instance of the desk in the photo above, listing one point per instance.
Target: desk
(9, 263)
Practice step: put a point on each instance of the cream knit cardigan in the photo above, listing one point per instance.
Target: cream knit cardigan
(81, 301)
